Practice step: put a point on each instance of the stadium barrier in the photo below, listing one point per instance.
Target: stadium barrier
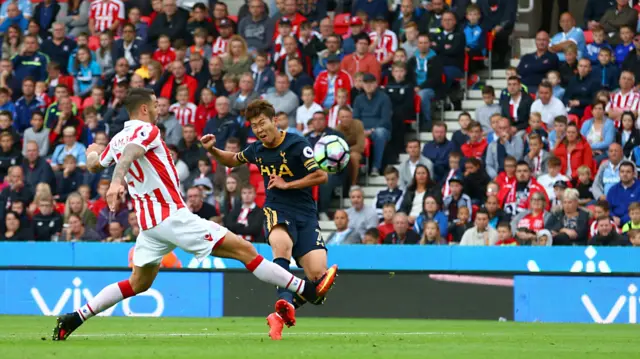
(355, 257)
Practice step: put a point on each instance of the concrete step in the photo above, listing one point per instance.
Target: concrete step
(325, 234)
(427, 136)
(477, 94)
(528, 43)
(497, 83)
(327, 225)
(376, 181)
(471, 105)
(498, 74)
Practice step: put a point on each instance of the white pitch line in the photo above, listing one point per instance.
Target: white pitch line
(172, 335)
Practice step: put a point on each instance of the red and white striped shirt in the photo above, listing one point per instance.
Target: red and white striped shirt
(243, 218)
(386, 46)
(593, 228)
(278, 49)
(105, 13)
(623, 102)
(186, 114)
(152, 180)
(219, 46)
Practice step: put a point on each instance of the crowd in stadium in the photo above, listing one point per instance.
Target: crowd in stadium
(549, 160)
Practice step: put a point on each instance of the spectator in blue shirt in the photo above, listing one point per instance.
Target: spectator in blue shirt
(373, 8)
(69, 146)
(45, 13)
(570, 34)
(86, 72)
(606, 71)
(623, 193)
(533, 68)
(438, 150)
(599, 42)
(5, 102)
(27, 105)
(14, 17)
(31, 62)
(24, 6)
(622, 50)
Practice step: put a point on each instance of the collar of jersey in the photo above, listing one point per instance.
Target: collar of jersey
(282, 136)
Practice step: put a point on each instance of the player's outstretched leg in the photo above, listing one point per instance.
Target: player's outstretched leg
(140, 280)
(314, 264)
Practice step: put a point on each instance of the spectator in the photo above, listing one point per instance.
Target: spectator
(231, 195)
(343, 233)
(538, 157)
(547, 105)
(172, 21)
(78, 231)
(164, 54)
(431, 20)
(450, 46)
(173, 129)
(14, 17)
(69, 147)
(386, 226)
(634, 218)
(581, 88)
(631, 62)
(607, 236)
(605, 71)
(128, 46)
(299, 78)
(189, 147)
(361, 217)
(426, 71)
(290, 46)
(15, 229)
(46, 224)
(438, 150)
(481, 234)
(410, 44)
(571, 225)
(289, 11)
(263, 75)
(241, 172)
(237, 59)
(594, 10)
(116, 233)
(70, 177)
(476, 146)
(625, 99)
(30, 62)
(181, 168)
(487, 109)
(623, 193)
(106, 15)
(332, 42)
(76, 205)
(306, 112)
(362, 60)
(197, 70)
(257, 29)
(573, 152)
(373, 108)
(196, 204)
(401, 234)
(24, 7)
(408, 168)
(12, 42)
(517, 105)
(496, 215)
(238, 101)
(407, 14)
(178, 78)
(373, 8)
(599, 42)
(206, 110)
(284, 99)
(35, 167)
(431, 211)
(456, 199)
(534, 67)
(614, 18)
(507, 145)
(58, 47)
(75, 17)
(121, 216)
(599, 131)
(354, 135)
(9, 154)
(527, 223)
(200, 45)
(247, 220)
(85, 71)
(328, 83)
(356, 27)
(516, 199)
(499, 16)
(27, 105)
(392, 194)
(570, 34)
(224, 125)
(133, 231)
(475, 180)
(628, 135)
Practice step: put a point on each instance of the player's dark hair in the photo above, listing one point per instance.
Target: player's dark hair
(390, 169)
(137, 97)
(259, 107)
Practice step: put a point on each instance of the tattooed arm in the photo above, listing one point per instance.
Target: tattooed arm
(130, 153)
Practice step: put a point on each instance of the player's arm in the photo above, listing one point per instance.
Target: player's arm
(93, 157)
(130, 153)
(314, 178)
(226, 158)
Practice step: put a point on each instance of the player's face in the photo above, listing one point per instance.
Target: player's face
(264, 128)
(153, 110)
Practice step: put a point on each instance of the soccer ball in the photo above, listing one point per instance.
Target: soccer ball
(331, 153)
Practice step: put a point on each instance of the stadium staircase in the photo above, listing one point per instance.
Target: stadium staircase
(474, 99)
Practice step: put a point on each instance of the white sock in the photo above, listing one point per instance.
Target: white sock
(272, 273)
(108, 296)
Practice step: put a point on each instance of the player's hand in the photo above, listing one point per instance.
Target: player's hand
(208, 141)
(276, 182)
(115, 192)
(95, 148)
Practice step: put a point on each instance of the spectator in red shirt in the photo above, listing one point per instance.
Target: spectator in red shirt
(516, 199)
(525, 225)
(105, 15)
(178, 78)
(574, 151)
(164, 54)
(206, 110)
(386, 227)
(477, 144)
(332, 76)
(507, 178)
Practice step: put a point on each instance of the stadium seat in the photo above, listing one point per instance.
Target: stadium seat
(94, 43)
(233, 18)
(315, 193)
(366, 154)
(468, 59)
(78, 102)
(341, 24)
(588, 37)
(255, 179)
(417, 107)
(146, 19)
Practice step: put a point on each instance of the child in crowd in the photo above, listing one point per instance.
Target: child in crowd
(200, 44)
(634, 218)
(230, 82)
(536, 126)
(372, 236)
(71, 177)
(475, 39)
(583, 184)
(475, 180)
(145, 60)
(116, 233)
(456, 199)
(37, 133)
(557, 134)
(634, 237)
(487, 109)
(558, 194)
(92, 124)
(460, 225)
(5, 102)
(42, 94)
(386, 226)
(305, 111)
(543, 239)
(432, 234)
(622, 50)
(605, 71)
(553, 175)
(341, 100)
(284, 29)
(505, 236)
(410, 45)
(461, 136)
(392, 194)
(184, 110)
(477, 144)
(569, 67)
(601, 209)
(180, 48)
(401, 93)
(553, 77)
(507, 178)
(492, 135)
(358, 86)
(310, 41)
(164, 54)
(282, 122)
(455, 170)
(537, 157)
(599, 42)
(263, 76)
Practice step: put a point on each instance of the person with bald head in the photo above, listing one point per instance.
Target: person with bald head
(343, 234)
(533, 67)
(13, 17)
(178, 78)
(224, 125)
(570, 34)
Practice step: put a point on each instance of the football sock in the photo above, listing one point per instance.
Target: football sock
(108, 296)
(282, 292)
(275, 274)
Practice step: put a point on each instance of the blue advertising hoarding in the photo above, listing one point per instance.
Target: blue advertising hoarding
(356, 257)
(52, 292)
(576, 299)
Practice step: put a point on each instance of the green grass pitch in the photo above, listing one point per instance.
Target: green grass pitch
(177, 338)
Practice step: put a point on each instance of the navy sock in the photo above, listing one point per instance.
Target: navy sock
(284, 293)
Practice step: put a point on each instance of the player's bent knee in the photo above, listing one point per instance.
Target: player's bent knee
(237, 248)
(280, 241)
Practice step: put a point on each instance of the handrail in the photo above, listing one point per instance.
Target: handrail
(528, 9)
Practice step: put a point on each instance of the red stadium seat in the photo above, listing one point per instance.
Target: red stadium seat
(489, 45)
(255, 179)
(341, 24)
(588, 37)
(315, 193)
(78, 102)
(233, 18)
(94, 43)
(417, 107)
(146, 19)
